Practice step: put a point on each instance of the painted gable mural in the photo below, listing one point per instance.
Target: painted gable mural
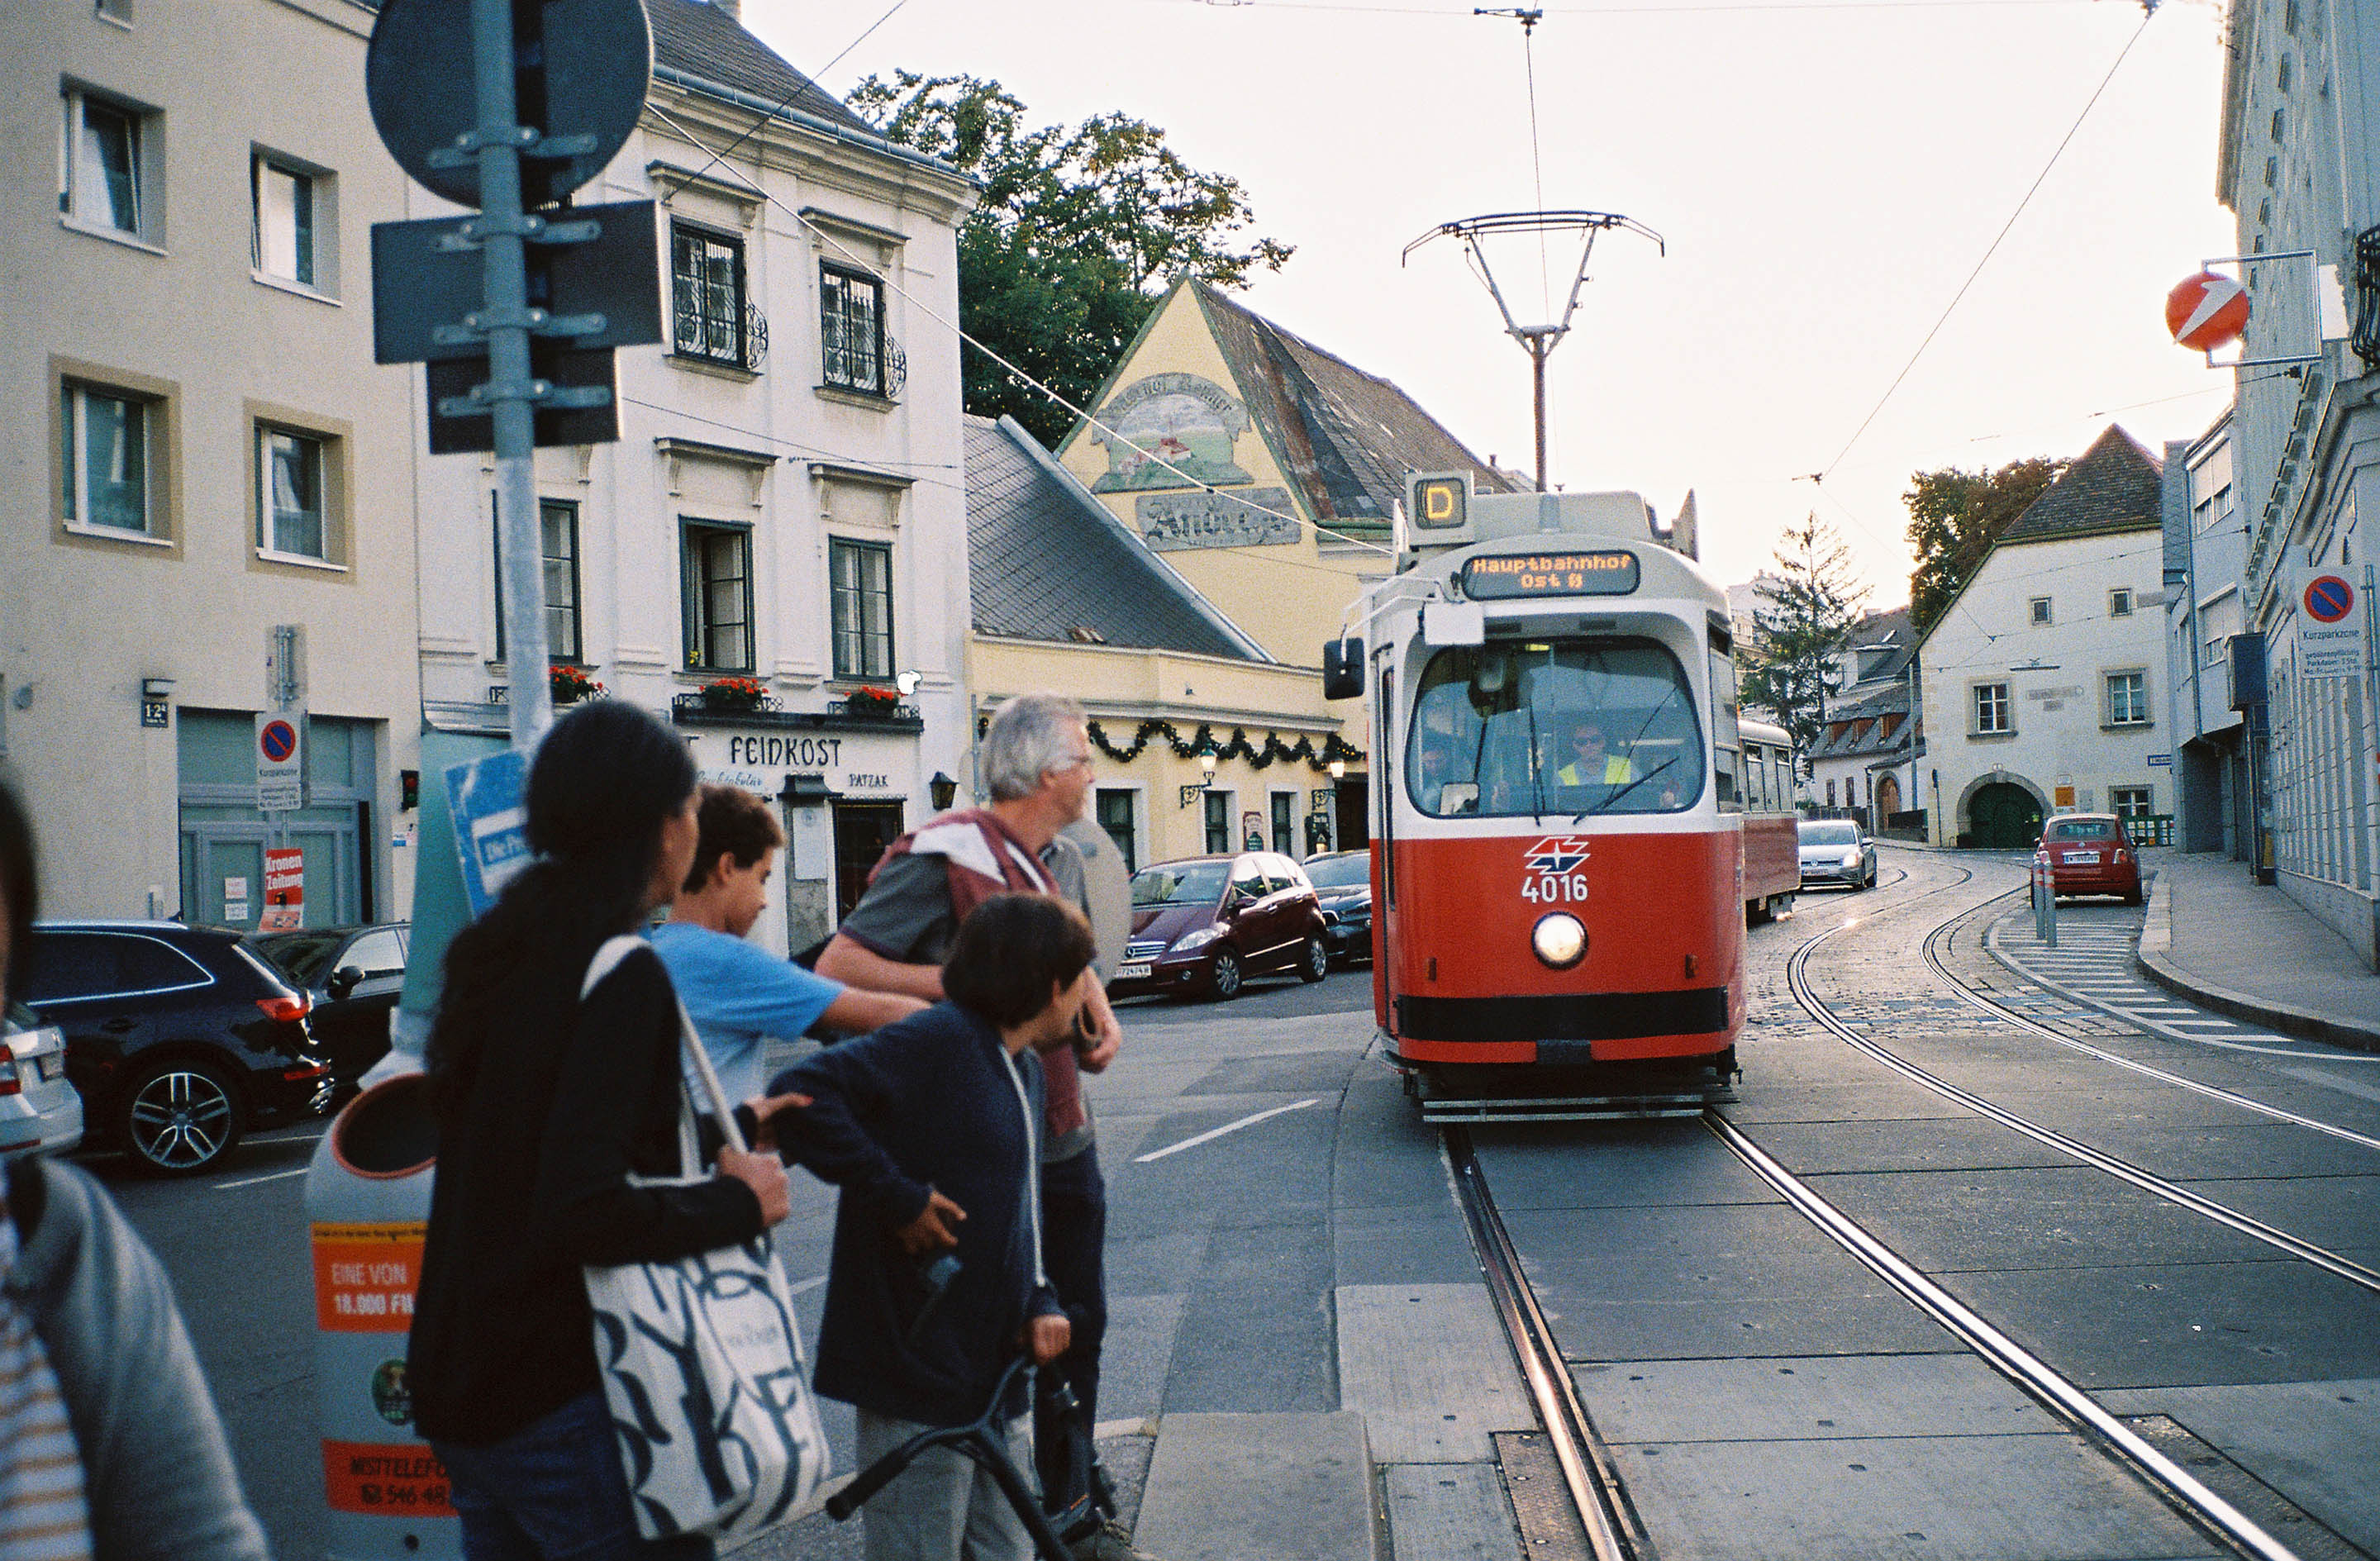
(1188, 429)
(1190, 423)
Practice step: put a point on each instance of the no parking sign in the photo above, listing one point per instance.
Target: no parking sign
(2330, 639)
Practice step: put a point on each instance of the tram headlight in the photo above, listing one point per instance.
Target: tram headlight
(1560, 940)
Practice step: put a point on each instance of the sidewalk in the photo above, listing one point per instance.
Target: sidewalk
(2221, 940)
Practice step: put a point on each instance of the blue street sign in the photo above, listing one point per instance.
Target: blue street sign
(488, 801)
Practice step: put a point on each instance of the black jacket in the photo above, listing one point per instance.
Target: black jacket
(532, 1186)
(929, 1101)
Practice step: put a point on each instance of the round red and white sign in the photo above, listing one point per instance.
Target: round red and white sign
(2207, 311)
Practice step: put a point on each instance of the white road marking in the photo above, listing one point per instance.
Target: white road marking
(1213, 1134)
(252, 1180)
(808, 1285)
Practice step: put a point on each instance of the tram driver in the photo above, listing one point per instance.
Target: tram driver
(1591, 762)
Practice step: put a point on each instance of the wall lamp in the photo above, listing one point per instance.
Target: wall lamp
(943, 790)
(1338, 769)
(1207, 766)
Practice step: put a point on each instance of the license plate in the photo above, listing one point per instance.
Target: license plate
(2082, 858)
(1133, 972)
(50, 1065)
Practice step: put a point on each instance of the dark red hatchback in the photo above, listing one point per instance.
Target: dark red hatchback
(1205, 924)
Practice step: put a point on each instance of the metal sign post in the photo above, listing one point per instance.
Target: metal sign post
(555, 89)
(2045, 899)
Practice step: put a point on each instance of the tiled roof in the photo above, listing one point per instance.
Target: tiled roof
(2115, 487)
(703, 40)
(1047, 561)
(1884, 735)
(1346, 436)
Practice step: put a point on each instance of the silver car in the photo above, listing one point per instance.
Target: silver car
(41, 1113)
(1836, 851)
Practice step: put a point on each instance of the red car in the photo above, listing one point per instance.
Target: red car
(2090, 854)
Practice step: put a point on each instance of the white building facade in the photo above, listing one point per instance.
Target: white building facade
(2206, 554)
(782, 519)
(2044, 680)
(199, 449)
(2299, 168)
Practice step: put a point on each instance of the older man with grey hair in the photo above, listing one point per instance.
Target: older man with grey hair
(1036, 759)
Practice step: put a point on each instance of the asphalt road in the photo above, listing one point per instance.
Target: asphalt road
(1767, 1396)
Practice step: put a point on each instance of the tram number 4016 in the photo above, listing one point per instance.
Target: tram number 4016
(1553, 888)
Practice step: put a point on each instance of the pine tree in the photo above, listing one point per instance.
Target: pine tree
(1804, 622)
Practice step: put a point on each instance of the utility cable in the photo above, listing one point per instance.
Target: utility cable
(783, 104)
(1015, 372)
(2150, 12)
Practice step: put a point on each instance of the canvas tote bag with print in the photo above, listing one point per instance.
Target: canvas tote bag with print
(701, 1360)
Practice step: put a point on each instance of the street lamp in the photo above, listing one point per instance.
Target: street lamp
(1338, 769)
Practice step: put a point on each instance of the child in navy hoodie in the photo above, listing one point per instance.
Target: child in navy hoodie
(929, 1128)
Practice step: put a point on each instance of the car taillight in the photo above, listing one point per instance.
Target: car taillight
(2122, 856)
(10, 1084)
(314, 1070)
(288, 1009)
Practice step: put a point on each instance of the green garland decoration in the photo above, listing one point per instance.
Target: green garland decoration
(1333, 748)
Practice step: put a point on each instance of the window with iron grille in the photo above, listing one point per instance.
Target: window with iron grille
(716, 583)
(1992, 712)
(860, 574)
(2129, 802)
(708, 290)
(2127, 699)
(851, 330)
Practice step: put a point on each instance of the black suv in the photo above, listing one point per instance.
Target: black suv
(179, 1037)
(353, 977)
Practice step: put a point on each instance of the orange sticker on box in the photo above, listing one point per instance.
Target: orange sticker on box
(386, 1480)
(364, 1277)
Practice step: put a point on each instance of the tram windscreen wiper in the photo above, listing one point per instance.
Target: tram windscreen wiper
(1536, 767)
(1606, 805)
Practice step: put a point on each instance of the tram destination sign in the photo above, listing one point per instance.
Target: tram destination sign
(1506, 576)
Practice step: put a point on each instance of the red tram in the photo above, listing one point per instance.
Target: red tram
(1560, 840)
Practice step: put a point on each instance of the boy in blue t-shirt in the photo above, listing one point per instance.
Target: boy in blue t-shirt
(736, 994)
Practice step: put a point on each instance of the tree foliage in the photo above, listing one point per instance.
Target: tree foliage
(1075, 234)
(1805, 619)
(1954, 518)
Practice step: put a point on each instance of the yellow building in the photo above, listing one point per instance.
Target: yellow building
(1267, 475)
(1205, 741)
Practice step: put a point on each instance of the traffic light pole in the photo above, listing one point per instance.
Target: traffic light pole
(511, 392)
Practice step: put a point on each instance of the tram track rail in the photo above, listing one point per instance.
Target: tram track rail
(1974, 998)
(1614, 1533)
(2057, 1393)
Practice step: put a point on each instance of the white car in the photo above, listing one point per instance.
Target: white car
(1836, 851)
(41, 1113)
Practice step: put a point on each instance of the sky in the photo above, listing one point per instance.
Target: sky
(1824, 178)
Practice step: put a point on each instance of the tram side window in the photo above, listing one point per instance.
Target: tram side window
(1572, 726)
(1725, 739)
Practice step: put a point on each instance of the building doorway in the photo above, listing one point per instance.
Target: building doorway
(2006, 816)
(223, 835)
(862, 830)
(1352, 805)
(1887, 799)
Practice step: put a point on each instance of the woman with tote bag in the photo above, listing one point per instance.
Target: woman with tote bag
(558, 1136)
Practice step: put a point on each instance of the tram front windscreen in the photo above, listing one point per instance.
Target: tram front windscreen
(1582, 727)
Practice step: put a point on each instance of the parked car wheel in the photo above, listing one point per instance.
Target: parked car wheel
(1224, 982)
(180, 1117)
(1315, 962)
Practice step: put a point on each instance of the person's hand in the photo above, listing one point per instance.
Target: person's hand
(764, 1109)
(1100, 1036)
(1047, 1337)
(765, 1176)
(934, 1229)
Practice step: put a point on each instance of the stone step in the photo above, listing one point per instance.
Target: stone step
(1283, 1487)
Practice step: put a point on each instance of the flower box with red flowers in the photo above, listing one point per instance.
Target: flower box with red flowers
(570, 684)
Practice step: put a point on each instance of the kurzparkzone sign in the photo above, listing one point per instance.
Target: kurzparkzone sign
(2330, 635)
